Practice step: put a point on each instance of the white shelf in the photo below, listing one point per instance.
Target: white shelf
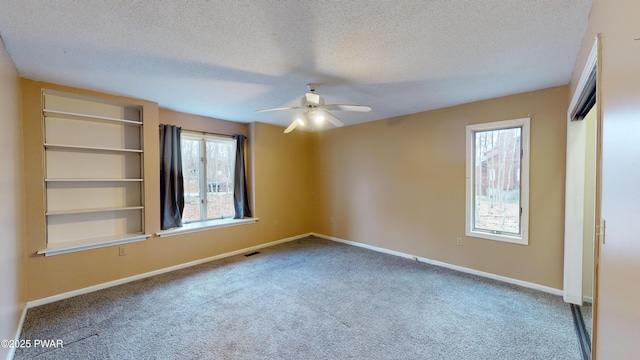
(93, 180)
(72, 115)
(65, 247)
(93, 173)
(84, 211)
(88, 148)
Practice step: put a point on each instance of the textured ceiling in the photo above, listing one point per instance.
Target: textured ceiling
(225, 59)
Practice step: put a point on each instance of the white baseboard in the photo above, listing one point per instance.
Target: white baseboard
(23, 315)
(109, 284)
(572, 299)
(577, 299)
(505, 279)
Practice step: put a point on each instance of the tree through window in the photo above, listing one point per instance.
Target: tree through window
(497, 180)
(208, 168)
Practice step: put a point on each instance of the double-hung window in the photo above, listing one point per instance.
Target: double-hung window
(497, 174)
(208, 169)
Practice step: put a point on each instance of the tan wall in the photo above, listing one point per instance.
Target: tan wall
(617, 312)
(283, 182)
(202, 123)
(12, 295)
(279, 162)
(400, 184)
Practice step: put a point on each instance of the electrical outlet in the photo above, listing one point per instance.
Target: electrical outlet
(331, 220)
(122, 251)
(459, 241)
(275, 223)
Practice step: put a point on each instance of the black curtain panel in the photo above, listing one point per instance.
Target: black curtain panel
(240, 195)
(171, 181)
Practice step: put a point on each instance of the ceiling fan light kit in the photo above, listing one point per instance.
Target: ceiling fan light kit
(316, 110)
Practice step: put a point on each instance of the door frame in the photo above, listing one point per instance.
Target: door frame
(575, 185)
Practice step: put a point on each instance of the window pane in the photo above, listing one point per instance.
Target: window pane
(496, 195)
(220, 171)
(191, 175)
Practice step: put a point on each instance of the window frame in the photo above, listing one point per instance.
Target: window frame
(523, 237)
(203, 138)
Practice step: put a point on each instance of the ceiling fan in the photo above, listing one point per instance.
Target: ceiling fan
(316, 111)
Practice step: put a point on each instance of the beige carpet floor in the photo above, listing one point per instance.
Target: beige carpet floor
(307, 299)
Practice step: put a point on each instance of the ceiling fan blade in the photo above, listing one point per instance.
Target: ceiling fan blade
(346, 107)
(312, 99)
(299, 120)
(280, 108)
(332, 119)
(293, 125)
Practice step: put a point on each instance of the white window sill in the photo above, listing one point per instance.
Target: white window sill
(521, 240)
(204, 225)
(66, 247)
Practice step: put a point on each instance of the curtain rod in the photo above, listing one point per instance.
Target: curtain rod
(204, 132)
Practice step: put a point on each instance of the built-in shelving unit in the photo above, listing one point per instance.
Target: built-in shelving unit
(93, 172)
(94, 180)
(71, 115)
(82, 211)
(88, 148)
